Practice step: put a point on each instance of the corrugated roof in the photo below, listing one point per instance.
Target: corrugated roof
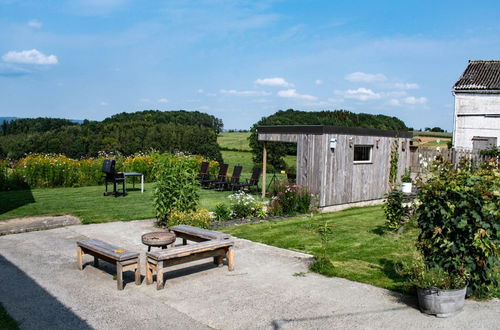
(480, 75)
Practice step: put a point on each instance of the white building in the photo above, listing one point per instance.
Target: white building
(477, 106)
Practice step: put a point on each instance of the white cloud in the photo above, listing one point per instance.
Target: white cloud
(35, 24)
(361, 94)
(145, 100)
(318, 81)
(292, 93)
(394, 102)
(163, 100)
(103, 103)
(365, 77)
(32, 56)
(276, 81)
(415, 100)
(10, 70)
(201, 91)
(406, 85)
(243, 93)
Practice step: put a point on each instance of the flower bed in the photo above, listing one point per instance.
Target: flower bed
(50, 170)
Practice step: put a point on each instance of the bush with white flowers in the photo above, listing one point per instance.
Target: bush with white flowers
(245, 206)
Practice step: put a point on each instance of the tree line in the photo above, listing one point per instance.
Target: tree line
(277, 150)
(189, 132)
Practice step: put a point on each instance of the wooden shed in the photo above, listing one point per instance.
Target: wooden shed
(345, 166)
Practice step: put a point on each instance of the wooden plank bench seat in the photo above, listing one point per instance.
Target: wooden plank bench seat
(126, 260)
(197, 234)
(158, 260)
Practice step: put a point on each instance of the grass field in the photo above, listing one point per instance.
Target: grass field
(234, 140)
(357, 248)
(89, 204)
(448, 135)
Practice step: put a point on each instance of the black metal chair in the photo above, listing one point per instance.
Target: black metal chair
(110, 175)
(252, 182)
(203, 175)
(207, 183)
(235, 179)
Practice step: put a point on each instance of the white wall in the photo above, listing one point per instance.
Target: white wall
(475, 115)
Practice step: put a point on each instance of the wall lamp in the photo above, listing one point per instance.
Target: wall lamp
(333, 144)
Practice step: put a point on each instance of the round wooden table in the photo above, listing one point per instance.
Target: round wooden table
(158, 238)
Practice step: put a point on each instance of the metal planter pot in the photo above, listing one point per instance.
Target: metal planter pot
(442, 303)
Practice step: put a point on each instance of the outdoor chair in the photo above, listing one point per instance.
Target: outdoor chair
(110, 175)
(252, 182)
(203, 175)
(207, 183)
(235, 179)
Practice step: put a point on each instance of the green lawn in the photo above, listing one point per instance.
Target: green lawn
(234, 140)
(89, 204)
(358, 248)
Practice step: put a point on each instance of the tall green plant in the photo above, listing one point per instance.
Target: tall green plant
(459, 219)
(175, 188)
(393, 165)
(394, 209)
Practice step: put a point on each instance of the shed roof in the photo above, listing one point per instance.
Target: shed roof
(480, 75)
(324, 129)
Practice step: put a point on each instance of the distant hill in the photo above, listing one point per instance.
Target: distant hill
(2, 119)
(126, 133)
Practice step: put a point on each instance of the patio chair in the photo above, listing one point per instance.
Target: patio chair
(252, 182)
(110, 175)
(207, 183)
(203, 175)
(235, 179)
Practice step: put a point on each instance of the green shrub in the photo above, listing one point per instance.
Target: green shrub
(175, 188)
(200, 218)
(245, 206)
(289, 199)
(459, 219)
(424, 277)
(222, 212)
(394, 209)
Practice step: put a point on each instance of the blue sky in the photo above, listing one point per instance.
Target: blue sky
(240, 60)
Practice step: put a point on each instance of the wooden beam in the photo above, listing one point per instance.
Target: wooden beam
(264, 170)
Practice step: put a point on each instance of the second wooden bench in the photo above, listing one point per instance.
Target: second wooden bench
(210, 244)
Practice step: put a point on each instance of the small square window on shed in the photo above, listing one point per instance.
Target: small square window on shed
(363, 153)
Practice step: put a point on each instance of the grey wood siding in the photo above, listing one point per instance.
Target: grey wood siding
(334, 175)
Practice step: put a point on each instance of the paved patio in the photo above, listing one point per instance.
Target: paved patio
(41, 287)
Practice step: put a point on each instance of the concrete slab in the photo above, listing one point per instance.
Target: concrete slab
(41, 287)
(22, 225)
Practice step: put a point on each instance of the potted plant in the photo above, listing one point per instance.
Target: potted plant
(439, 292)
(406, 181)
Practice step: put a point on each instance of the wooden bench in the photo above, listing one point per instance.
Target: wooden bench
(211, 244)
(197, 234)
(123, 259)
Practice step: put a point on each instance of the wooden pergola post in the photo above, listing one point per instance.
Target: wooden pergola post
(264, 170)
